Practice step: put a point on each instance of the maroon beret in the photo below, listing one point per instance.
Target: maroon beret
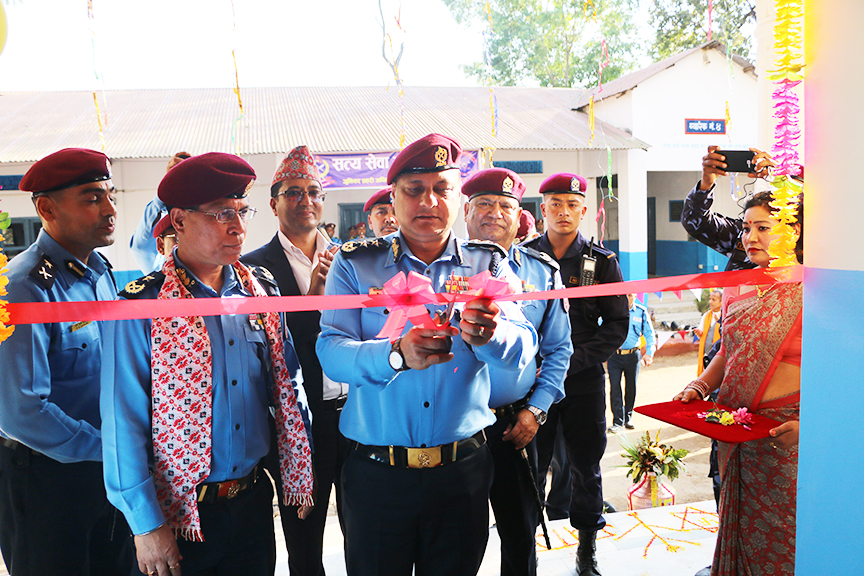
(380, 197)
(202, 179)
(526, 222)
(432, 153)
(564, 183)
(163, 225)
(64, 169)
(498, 181)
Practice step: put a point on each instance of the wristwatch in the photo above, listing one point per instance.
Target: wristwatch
(539, 415)
(396, 359)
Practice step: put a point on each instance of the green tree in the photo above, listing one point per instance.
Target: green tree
(552, 42)
(682, 24)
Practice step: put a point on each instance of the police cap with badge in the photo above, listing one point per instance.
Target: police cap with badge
(564, 183)
(495, 181)
(380, 197)
(64, 169)
(205, 178)
(432, 153)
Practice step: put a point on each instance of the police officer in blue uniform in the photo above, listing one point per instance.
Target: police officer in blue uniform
(416, 483)
(233, 500)
(582, 412)
(521, 403)
(54, 515)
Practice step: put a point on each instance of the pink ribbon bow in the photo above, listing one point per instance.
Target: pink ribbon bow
(405, 297)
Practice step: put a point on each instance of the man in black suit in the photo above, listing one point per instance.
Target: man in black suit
(299, 257)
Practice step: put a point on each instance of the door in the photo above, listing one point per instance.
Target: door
(652, 236)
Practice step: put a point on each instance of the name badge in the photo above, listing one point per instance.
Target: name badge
(79, 325)
(256, 322)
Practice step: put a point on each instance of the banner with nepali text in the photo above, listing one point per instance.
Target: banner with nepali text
(370, 170)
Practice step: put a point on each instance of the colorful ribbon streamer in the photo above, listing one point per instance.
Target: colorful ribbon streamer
(50, 312)
(92, 23)
(405, 298)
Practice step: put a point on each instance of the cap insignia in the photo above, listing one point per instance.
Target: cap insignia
(441, 157)
(108, 168)
(249, 186)
(507, 185)
(574, 185)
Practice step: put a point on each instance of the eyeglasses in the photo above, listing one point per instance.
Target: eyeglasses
(488, 206)
(227, 215)
(295, 195)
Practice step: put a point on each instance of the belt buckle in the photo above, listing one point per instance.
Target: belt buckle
(424, 457)
(233, 490)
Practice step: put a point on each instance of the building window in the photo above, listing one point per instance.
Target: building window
(20, 235)
(521, 166)
(675, 209)
(351, 214)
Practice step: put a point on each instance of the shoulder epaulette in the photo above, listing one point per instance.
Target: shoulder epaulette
(134, 288)
(358, 246)
(44, 272)
(542, 256)
(487, 245)
(266, 278)
(603, 250)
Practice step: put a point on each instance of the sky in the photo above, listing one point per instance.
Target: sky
(188, 44)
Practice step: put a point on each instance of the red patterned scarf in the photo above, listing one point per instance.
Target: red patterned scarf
(181, 369)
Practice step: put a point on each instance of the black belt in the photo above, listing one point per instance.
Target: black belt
(423, 457)
(627, 351)
(229, 489)
(336, 403)
(510, 410)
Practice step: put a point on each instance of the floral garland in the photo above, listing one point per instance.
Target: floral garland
(788, 52)
(5, 331)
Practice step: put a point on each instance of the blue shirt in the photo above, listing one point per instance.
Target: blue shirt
(538, 272)
(442, 404)
(142, 243)
(241, 400)
(50, 396)
(640, 325)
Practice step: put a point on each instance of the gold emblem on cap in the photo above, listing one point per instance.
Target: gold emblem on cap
(441, 157)
(249, 186)
(574, 185)
(507, 185)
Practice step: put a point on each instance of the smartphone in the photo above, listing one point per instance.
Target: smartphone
(739, 160)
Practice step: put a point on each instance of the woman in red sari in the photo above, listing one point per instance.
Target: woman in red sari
(758, 366)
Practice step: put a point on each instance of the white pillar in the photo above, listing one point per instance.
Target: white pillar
(633, 214)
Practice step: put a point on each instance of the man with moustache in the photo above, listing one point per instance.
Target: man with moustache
(416, 482)
(186, 400)
(382, 218)
(582, 412)
(299, 257)
(54, 514)
(520, 402)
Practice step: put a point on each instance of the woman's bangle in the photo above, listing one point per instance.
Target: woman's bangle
(151, 531)
(700, 386)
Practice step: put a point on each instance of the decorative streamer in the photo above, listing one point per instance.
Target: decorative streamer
(591, 119)
(99, 114)
(710, 14)
(604, 52)
(607, 193)
(788, 52)
(593, 8)
(235, 141)
(393, 61)
(487, 47)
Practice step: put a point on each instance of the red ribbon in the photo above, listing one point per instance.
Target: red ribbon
(50, 312)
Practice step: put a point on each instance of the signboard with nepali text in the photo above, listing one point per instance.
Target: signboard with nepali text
(704, 126)
(370, 170)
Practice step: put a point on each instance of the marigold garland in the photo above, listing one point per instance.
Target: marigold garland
(5, 331)
(787, 75)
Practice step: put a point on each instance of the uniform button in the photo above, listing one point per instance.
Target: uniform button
(234, 469)
(236, 427)
(231, 342)
(84, 346)
(425, 404)
(422, 445)
(233, 382)
(428, 271)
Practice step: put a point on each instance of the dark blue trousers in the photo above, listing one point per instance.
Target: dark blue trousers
(558, 500)
(514, 502)
(56, 519)
(583, 424)
(432, 520)
(628, 365)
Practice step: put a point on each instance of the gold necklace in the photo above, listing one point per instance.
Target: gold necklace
(760, 292)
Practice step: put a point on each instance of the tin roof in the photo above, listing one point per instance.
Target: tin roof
(157, 123)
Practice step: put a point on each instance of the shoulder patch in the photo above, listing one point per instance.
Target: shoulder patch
(44, 272)
(366, 245)
(265, 277)
(542, 256)
(134, 288)
(603, 251)
(487, 245)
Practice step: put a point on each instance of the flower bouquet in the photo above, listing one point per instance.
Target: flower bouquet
(648, 460)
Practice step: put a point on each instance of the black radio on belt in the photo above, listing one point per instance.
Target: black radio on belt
(589, 265)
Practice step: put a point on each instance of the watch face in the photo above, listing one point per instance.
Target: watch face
(396, 361)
